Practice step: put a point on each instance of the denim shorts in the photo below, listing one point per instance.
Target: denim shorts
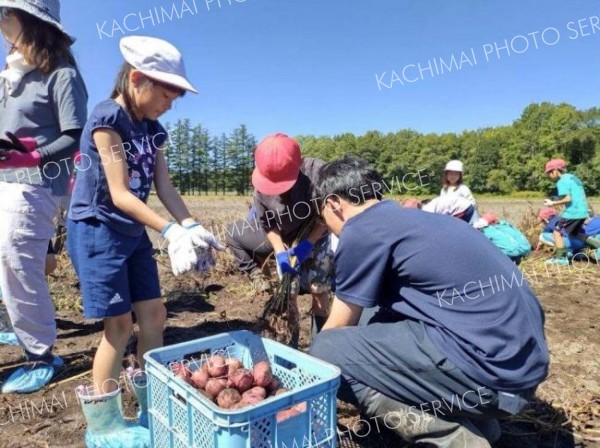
(114, 270)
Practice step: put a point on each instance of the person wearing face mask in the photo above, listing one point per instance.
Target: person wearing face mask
(42, 113)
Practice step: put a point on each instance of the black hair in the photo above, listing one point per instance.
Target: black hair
(42, 44)
(121, 86)
(350, 178)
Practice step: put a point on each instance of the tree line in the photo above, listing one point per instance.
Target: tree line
(498, 160)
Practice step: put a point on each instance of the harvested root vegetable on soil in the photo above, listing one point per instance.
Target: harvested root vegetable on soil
(233, 364)
(241, 379)
(228, 397)
(215, 386)
(262, 373)
(199, 378)
(180, 370)
(217, 366)
(257, 390)
(273, 385)
(281, 390)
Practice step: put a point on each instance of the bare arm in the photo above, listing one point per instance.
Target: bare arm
(167, 193)
(274, 238)
(562, 201)
(115, 168)
(342, 314)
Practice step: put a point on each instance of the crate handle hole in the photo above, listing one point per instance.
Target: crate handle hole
(284, 363)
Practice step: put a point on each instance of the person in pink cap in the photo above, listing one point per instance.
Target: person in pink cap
(283, 205)
(571, 194)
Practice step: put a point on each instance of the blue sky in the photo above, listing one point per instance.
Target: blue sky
(311, 66)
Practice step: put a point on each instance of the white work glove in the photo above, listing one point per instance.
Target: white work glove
(182, 250)
(202, 238)
(548, 202)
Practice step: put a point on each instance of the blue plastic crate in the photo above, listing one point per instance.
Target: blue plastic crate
(180, 417)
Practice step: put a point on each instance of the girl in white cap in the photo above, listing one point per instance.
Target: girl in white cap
(122, 156)
(42, 113)
(452, 181)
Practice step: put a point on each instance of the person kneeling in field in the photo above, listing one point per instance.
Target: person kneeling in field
(574, 246)
(452, 205)
(283, 207)
(450, 344)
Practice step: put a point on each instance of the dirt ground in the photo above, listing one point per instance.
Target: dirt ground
(565, 413)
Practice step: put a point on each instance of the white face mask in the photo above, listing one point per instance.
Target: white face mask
(17, 68)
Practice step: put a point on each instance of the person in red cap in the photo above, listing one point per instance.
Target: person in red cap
(572, 196)
(283, 205)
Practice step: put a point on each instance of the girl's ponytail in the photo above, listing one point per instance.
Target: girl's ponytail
(121, 86)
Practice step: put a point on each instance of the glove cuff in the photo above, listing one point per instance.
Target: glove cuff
(164, 231)
(192, 225)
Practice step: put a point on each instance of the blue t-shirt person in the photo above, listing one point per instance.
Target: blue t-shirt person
(478, 309)
(141, 139)
(568, 184)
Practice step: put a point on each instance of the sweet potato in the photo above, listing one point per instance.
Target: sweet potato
(273, 385)
(241, 379)
(214, 386)
(257, 390)
(199, 378)
(287, 413)
(180, 370)
(281, 390)
(262, 373)
(217, 366)
(233, 364)
(251, 400)
(228, 397)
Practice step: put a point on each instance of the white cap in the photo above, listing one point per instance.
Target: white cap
(157, 59)
(454, 165)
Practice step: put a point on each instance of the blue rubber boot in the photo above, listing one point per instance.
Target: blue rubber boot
(597, 254)
(106, 427)
(33, 376)
(139, 384)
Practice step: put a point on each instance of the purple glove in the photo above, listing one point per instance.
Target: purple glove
(302, 251)
(16, 159)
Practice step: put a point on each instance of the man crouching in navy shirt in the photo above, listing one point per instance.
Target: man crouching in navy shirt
(454, 336)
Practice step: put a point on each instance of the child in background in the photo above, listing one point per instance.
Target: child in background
(42, 112)
(453, 182)
(106, 238)
(572, 194)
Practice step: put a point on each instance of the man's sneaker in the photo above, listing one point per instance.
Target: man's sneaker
(259, 281)
(560, 261)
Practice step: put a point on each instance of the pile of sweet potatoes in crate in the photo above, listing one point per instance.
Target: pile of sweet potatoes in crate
(226, 382)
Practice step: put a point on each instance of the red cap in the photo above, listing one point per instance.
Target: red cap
(555, 164)
(277, 159)
(546, 213)
(491, 218)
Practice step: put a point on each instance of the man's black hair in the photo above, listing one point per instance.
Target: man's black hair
(350, 178)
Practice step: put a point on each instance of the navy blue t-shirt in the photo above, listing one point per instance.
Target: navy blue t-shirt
(551, 224)
(478, 309)
(141, 139)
